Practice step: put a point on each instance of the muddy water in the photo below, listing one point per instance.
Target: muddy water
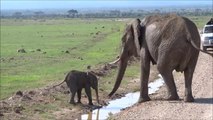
(117, 105)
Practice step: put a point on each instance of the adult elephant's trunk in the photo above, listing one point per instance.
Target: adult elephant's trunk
(121, 71)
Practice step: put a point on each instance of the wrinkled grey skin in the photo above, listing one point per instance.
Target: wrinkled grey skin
(77, 80)
(171, 42)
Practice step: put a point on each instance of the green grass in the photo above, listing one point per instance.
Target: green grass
(200, 21)
(20, 71)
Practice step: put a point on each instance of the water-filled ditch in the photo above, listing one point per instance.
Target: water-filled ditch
(117, 105)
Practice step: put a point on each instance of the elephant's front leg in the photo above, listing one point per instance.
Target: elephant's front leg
(89, 95)
(145, 70)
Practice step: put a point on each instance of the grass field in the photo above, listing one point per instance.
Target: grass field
(200, 21)
(89, 42)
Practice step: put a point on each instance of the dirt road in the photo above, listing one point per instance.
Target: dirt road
(202, 88)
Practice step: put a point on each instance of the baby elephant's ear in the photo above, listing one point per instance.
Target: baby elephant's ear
(90, 76)
(92, 72)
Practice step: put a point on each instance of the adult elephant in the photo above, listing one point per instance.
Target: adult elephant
(171, 42)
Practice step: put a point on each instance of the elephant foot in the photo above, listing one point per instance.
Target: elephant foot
(72, 102)
(173, 97)
(79, 102)
(144, 99)
(189, 99)
(90, 104)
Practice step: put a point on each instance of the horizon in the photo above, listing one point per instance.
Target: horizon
(30, 5)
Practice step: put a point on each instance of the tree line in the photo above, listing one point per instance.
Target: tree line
(72, 13)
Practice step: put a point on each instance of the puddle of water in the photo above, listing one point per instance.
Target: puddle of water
(115, 106)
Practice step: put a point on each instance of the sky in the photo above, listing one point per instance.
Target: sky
(74, 4)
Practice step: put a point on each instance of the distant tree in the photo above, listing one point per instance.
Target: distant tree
(115, 13)
(39, 14)
(183, 10)
(17, 15)
(141, 11)
(72, 13)
(156, 11)
(198, 12)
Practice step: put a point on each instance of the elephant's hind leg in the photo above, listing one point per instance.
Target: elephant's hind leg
(188, 74)
(73, 92)
(170, 84)
(188, 83)
(171, 87)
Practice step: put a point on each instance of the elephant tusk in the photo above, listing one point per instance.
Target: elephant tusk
(114, 62)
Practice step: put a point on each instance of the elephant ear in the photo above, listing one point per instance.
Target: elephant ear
(136, 29)
(92, 77)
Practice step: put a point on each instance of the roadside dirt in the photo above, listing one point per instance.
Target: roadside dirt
(159, 108)
(28, 103)
(52, 103)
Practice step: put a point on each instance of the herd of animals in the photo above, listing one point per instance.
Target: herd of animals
(170, 42)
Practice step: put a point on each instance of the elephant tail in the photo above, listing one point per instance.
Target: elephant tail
(59, 84)
(51, 87)
(65, 80)
(196, 47)
(193, 34)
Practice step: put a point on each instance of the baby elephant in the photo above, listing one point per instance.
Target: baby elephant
(77, 80)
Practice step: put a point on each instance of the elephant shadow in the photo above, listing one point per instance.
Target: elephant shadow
(204, 100)
(197, 100)
(210, 50)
